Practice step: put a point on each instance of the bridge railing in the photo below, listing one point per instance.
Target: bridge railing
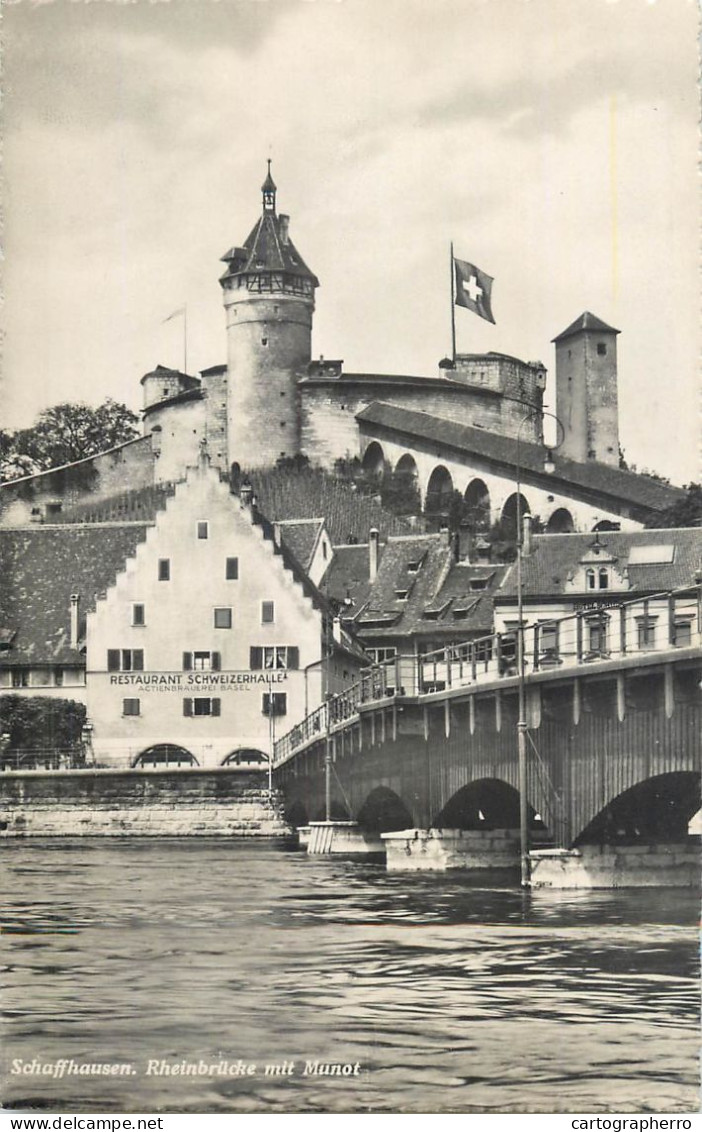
(606, 629)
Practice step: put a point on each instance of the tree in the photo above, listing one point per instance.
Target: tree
(400, 494)
(66, 433)
(686, 512)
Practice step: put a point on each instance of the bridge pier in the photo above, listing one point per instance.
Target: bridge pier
(341, 838)
(674, 865)
(415, 850)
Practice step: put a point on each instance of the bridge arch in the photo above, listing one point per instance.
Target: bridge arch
(486, 803)
(508, 518)
(401, 489)
(384, 811)
(560, 522)
(165, 754)
(653, 809)
(439, 491)
(296, 814)
(374, 463)
(477, 500)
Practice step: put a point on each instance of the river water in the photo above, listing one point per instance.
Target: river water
(436, 992)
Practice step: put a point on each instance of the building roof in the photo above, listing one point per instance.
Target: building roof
(185, 395)
(186, 380)
(287, 493)
(586, 321)
(267, 247)
(394, 379)
(419, 590)
(589, 480)
(139, 505)
(555, 559)
(302, 537)
(41, 567)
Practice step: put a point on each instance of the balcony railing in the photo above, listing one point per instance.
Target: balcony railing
(657, 623)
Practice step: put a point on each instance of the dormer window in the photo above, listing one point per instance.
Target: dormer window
(603, 576)
(590, 579)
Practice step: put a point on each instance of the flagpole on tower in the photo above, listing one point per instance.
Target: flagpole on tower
(185, 338)
(453, 311)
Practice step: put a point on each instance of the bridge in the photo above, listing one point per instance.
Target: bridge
(429, 743)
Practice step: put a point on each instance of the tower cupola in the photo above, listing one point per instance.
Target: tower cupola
(268, 188)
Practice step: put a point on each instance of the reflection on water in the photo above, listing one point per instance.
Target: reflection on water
(452, 995)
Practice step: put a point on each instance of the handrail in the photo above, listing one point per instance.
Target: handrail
(602, 632)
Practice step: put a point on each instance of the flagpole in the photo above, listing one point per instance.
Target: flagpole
(453, 311)
(185, 339)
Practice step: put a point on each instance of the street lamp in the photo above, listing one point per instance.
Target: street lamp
(549, 467)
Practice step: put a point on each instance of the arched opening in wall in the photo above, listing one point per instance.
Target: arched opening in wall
(659, 809)
(508, 519)
(439, 492)
(488, 803)
(164, 755)
(607, 525)
(373, 464)
(477, 506)
(337, 812)
(560, 522)
(400, 491)
(245, 756)
(384, 811)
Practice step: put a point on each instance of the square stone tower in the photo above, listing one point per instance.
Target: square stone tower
(586, 390)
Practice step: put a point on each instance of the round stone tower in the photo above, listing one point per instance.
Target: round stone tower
(269, 301)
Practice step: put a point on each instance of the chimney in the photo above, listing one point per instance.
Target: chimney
(73, 636)
(336, 630)
(527, 541)
(373, 547)
(284, 228)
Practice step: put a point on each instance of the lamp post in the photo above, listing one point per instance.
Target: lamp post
(549, 468)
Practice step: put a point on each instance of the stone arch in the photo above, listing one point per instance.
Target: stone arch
(607, 525)
(246, 755)
(560, 522)
(487, 803)
(374, 463)
(439, 491)
(384, 811)
(401, 490)
(508, 518)
(477, 501)
(655, 809)
(165, 755)
(296, 814)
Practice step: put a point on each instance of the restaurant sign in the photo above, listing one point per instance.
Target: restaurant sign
(194, 682)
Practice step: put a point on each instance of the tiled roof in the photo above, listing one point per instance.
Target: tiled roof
(185, 395)
(141, 504)
(186, 380)
(302, 536)
(265, 250)
(393, 379)
(590, 480)
(419, 590)
(41, 567)
(555, 558)
(283, 493)
(587, 321)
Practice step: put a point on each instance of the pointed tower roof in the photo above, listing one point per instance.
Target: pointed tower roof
(268, 246)
(587, 321)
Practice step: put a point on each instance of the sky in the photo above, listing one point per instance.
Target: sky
(554, 143)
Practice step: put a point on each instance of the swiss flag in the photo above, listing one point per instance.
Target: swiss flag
(473, 289)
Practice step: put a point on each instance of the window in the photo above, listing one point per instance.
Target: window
(125, 660)
(682, 632)
(232, 569)
(548, 640)
(223, 617)
(602, 348)
(274, 703)
(20, 679)
(590, 579)
(202, 662)
(164, 569)
(274, 656)
(597, 635)
(138, 615)
(646, 632)
(380, 655)
(58, 677)
(603, 578)
(202, 705)
(203, 529)
(267, 612)
(131, 707)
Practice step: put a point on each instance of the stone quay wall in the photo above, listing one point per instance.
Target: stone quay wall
(136, 803)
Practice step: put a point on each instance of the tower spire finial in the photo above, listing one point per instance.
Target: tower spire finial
(268, 188)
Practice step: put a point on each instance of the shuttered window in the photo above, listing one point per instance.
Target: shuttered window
(274, 656)
(125, 660)
(202, 661)
(202, 705)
